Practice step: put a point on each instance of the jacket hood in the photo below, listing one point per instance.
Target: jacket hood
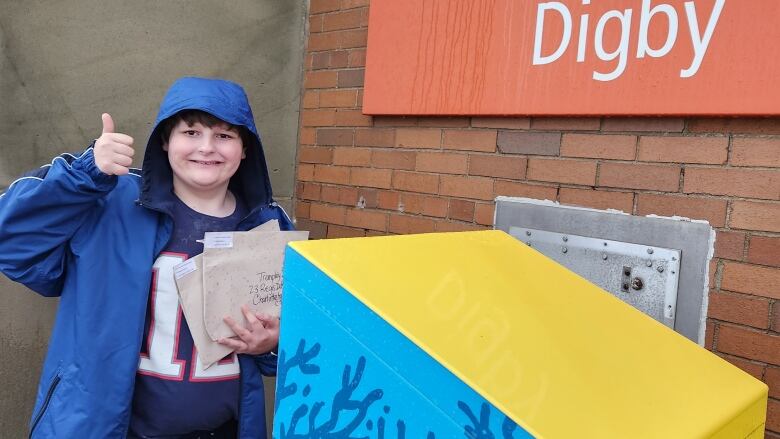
(227, 101)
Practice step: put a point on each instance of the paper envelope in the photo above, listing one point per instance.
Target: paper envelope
(242, 268)
(189, 283)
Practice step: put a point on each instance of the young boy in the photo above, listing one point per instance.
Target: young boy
(104, 237)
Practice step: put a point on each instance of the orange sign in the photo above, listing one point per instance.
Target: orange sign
(573, 57)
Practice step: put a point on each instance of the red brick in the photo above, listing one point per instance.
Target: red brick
(424, 205)
(388, 200)
(484, 213)
(338, 98)
(315, 23)
(366, 220)
(374, 137)
(302, 209)
(343, 20)
(311, 99)
(351, 78)
(451, 226)
(352, 118)
(635, 176)
(395, 121)
(678, 149)
(764, 250)
(317, 230)
(742, 125)
(345, 39)
(562, 171)
(623, 201)
(710, 209)
(369, 198)
(773, 415)
(320, 79)
(772, 379)
(645, 124)
(335, 232)
(357, 58)
(753, 368)
(418, 138)
(461, 210)
(516, 123)
(331, 174)
(327, 213)
(380, 178)
(566, 123)
(497, 166)
(318, 118)
(394, 159)
(334, 136)
(729, 245)
(709, 335)
(479, 188)
(415, 182)
(519, 142)
(305, 172)
(513, 189)
(319, 6)
(349, 4)
(751, 279)
(470, 140)
(733, 181)
(307, 136)
(615, 147)
(751, 151)
(443, 122)
(739, 308)
(346, 196)
(308, 191)
(405, 224)
(749, 343)
(775, 317)
(350, 156)
(755, 216)
(338, 59)
(307, 154)
(445, 163)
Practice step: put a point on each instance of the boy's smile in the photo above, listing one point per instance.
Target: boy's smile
(203, 159)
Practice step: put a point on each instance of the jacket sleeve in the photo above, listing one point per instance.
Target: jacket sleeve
(40, 212)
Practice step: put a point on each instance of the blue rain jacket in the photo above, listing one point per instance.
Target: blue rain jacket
(68, 230)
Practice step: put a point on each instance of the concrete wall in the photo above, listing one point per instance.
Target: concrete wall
(63, 63)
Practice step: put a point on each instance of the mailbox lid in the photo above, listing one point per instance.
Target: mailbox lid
(482, 299)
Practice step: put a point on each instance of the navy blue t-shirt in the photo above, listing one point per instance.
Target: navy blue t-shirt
(173, 394)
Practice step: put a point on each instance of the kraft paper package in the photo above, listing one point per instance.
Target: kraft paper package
(242, 268)
(189, 283)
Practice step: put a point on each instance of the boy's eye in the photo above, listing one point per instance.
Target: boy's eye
(225, 136)
(190, 132)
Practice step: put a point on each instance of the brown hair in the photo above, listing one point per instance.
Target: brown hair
(191, 117)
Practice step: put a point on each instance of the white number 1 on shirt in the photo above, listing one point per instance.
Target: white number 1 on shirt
(163, 341)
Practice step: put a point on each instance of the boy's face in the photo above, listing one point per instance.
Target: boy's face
(203, 159)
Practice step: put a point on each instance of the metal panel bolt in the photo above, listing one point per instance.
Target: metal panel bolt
(565, 238)
(649, 263)
(527, 233)
(604, 255)
(564, 249)
(637, 283)
(660, 268)
(649, 251)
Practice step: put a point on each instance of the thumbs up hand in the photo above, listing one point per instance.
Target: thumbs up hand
(113, 151)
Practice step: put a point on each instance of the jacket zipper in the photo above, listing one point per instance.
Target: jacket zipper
(45, 404)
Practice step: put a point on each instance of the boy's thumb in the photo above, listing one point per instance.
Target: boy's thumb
(108, 123)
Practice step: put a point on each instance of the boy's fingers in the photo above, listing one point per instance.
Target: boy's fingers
(123, 160)
(238, 329)
(233, 343)
(124, 150)
(117, 169)
(268, 321)
(108, 123)
(250, 316)
(122, 139)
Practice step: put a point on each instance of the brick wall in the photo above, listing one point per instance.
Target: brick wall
(361, 176)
